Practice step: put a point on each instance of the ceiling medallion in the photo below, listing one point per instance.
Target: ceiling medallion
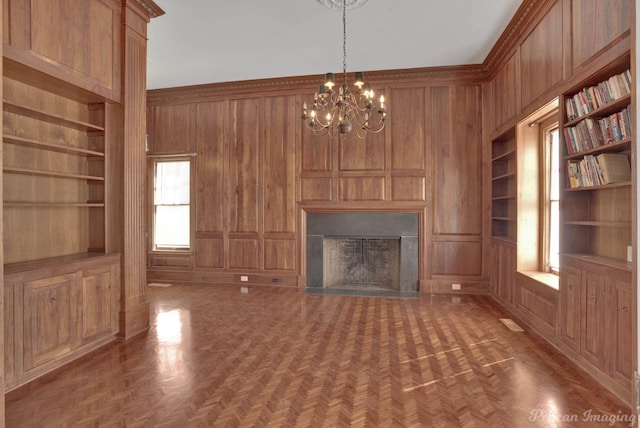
(337, 4)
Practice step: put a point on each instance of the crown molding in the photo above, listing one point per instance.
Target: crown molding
(519, 25)
(149, 6)
(438, 75)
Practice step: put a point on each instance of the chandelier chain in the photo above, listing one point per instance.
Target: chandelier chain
(344, 40)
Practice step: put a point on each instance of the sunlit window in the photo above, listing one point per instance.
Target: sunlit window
(171, 226)
(553, 202)
(551, 227)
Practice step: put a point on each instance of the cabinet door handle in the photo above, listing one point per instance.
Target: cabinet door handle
(625, 309)
(591, 296)
(52, 299)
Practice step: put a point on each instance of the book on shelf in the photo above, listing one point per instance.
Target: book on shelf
(599, 170)
(594, 97)
(614, 167)
(592, 132)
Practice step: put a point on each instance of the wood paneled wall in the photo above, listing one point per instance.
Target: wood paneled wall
(258, 170)
(429, 158)
(558, 42)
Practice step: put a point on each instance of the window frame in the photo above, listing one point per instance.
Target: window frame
(152, 205)
(546, 126)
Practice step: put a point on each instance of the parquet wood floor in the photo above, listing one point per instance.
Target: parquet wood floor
(277, 357)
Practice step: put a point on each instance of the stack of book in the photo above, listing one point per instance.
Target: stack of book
(605, 168)
(593, 97)
(593, 132)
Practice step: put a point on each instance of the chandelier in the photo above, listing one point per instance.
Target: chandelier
(339, 110)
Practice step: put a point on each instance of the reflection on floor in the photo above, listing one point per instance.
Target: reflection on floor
(215, 356)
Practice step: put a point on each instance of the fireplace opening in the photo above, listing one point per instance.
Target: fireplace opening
(374, 252)
(361, 263)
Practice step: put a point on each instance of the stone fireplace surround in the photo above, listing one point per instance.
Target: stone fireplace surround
(396, 225)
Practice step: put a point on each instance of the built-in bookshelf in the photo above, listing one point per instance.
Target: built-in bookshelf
(54, 173)
(597, 197)
(503, 186)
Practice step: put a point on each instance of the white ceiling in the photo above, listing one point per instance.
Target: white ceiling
(212, 41)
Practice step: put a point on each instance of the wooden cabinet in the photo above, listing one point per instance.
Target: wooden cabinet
(503, 186)
(57, 310)
(596, 321)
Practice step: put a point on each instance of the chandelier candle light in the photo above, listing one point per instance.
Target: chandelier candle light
(339, 110)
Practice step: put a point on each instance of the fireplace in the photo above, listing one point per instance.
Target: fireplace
(362, 251)
(361, 263)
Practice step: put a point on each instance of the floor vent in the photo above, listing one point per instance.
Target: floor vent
(511, 325)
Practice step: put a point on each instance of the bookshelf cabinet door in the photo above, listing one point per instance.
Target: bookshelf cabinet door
(49, 319)
(595, 289)
(570, 306)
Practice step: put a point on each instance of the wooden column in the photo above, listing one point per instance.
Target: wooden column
(134, 308)
(1, 255)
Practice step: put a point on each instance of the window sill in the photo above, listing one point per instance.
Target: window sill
(548, 279)
(171, 250)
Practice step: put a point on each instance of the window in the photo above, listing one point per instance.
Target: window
(538, 186)
(171, 202)
(550, 227)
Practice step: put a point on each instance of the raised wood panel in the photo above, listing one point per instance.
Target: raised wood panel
(280, 254)
(361, 188)
(408, 129)
(244, 161)
(596, 24)
(541, 56)
(210, 177)
(88, 26)
(622, 340)
(570, 297)
(360, 154)
(49, 319)
(173, 129)
(506, 92)
(506, 273)
(170, 260)
(316, 152)
(539, 303)
(243, 253)
(316, 189)
(541, 308)
(34, 35)
(97, 303)
(279, 172)
(209, 252)
(593, 327)
(457, 258)
(408, 188)
(457, 146)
